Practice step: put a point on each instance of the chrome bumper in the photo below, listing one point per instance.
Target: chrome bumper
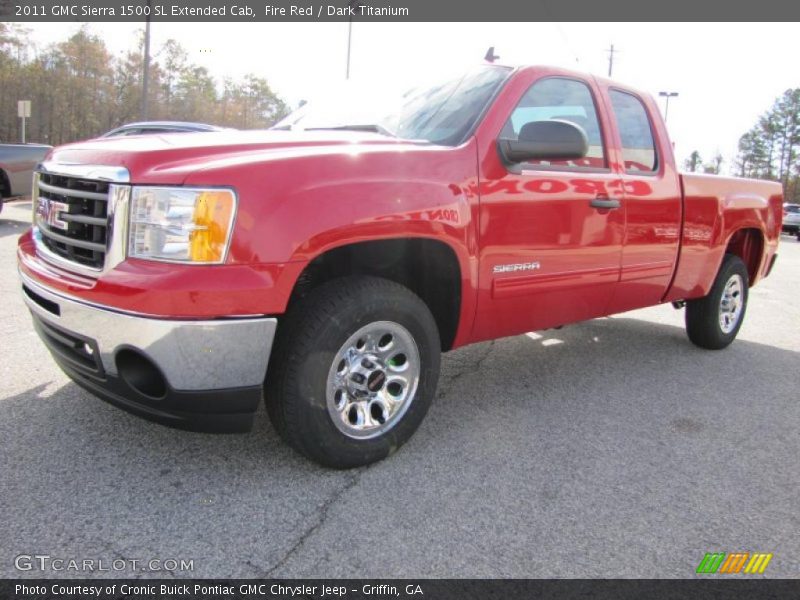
(192, 355)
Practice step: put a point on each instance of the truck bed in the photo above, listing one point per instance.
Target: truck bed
(714, 207)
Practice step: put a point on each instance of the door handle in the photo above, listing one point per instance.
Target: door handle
(606, 203)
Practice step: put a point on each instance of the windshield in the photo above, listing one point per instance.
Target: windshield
(443, 113)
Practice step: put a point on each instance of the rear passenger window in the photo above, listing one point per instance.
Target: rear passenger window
(565, 99)
(638, 149)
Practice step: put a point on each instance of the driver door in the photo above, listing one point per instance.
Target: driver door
(551, 232)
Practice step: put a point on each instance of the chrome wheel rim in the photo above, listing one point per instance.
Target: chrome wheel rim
(731, 304)
(373, 380)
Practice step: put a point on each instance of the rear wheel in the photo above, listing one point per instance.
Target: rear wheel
(355, 368)
(714, 321)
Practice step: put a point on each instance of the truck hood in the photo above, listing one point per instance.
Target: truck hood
(171, 158)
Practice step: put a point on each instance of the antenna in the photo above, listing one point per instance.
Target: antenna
(490, 55)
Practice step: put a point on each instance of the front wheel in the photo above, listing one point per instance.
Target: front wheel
(355, 369)
(714, 321)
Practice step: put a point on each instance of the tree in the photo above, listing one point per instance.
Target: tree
(196, 95)
(250, 104)
(176, 63)
(79, 90)
(769, 150)
(715, 166)
(86, 83)
(12, 82)
(693, 162)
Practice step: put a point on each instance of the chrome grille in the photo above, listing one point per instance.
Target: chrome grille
(80, 216)
(72, 217)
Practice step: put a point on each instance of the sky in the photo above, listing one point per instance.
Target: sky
(726, 74)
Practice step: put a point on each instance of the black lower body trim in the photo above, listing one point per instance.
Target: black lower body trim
(210, 411)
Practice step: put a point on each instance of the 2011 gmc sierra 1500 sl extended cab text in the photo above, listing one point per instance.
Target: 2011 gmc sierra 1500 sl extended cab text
(326, 264)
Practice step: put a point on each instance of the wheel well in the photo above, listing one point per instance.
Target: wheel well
(747, 244)
(429, 268)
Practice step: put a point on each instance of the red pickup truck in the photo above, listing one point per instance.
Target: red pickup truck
(325, 265)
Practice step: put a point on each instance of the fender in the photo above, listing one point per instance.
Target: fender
(294, 207)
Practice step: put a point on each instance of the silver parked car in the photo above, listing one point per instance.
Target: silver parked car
(153, 127)
(791, 219)
(17, 162)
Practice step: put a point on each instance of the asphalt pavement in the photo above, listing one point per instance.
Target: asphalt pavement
(611, 448)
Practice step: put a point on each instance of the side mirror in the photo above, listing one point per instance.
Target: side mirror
(545, 140)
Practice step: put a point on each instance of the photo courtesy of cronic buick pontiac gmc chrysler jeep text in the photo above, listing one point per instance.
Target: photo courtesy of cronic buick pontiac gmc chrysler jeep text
(324, 265)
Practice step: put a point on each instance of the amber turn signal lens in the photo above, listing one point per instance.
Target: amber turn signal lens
(212, 222)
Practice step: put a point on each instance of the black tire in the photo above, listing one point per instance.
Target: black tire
(703, 314)
(311, 336)
(5, 186)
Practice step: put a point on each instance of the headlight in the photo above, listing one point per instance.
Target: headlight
(181, 224)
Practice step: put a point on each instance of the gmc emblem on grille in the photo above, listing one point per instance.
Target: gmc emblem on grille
(49, 212)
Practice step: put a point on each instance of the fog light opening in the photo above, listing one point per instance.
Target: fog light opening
(140, 373)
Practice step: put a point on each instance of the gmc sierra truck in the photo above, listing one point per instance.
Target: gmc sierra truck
(323, 266)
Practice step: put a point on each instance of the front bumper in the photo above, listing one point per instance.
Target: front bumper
(201, 375)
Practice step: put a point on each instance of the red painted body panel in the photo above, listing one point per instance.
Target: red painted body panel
(169, 290)
(653, 215)
(542, 216)
(302, 194)
(715, 209)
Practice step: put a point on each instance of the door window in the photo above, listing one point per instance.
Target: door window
(565, 99)
(638, 148)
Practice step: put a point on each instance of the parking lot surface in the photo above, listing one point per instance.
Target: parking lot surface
(612, 448)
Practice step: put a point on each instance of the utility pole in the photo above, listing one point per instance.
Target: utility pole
(353, 5)
(610, 59)
(667, 95)
(146, 63)
(349, 39)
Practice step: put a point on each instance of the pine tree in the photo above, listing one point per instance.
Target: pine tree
(693, 162)
(769, 150)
